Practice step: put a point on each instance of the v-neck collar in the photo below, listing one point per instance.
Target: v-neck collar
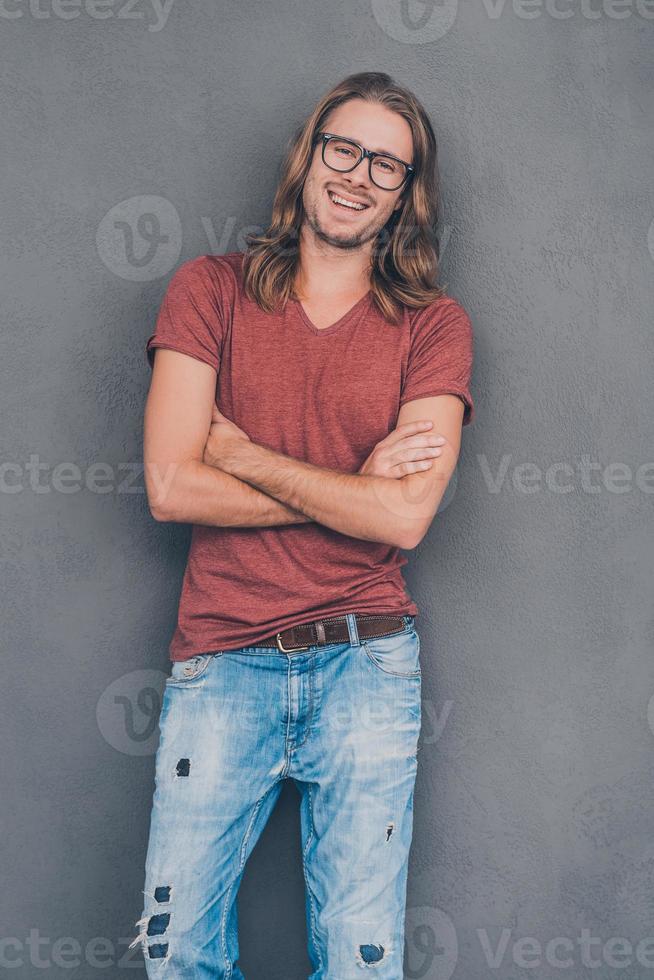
(347, 316)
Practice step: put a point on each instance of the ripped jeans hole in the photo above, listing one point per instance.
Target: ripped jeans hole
(370, 954)
(154, 925)
(158, 924)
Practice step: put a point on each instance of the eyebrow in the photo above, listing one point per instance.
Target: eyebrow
(388, 153)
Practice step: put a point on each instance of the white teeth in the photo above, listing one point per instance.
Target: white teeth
(345, 203)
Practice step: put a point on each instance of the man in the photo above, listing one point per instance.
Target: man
(291, 419)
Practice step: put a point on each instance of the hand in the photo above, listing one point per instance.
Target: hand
(404, 451)
(224, 436)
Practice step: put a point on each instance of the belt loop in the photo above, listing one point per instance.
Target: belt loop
(352, 630)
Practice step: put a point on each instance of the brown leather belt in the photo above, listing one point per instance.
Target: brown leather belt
(323, 632)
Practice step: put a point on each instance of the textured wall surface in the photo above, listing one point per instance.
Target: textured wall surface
(138, 135)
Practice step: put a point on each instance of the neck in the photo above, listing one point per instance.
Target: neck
(324, 270)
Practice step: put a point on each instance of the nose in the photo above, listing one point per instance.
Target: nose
(360, 175)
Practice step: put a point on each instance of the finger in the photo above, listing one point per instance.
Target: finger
(407, 429)
(420, 423)
(426, 440)
(403, 469)
(409, 455)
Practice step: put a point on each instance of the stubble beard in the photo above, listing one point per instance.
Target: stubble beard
(343, 241)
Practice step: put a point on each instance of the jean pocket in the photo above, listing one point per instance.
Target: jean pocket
(397, 654)
(185, 671)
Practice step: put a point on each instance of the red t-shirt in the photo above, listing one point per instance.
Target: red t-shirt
(323, 396)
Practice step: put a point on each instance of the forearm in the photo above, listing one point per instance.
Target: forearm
(196, 493)
(371, 508)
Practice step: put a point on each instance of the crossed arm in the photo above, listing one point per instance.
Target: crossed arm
(200, 468)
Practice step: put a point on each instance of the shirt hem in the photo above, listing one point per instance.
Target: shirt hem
(181, 350)
(469, 410)
(203, 648)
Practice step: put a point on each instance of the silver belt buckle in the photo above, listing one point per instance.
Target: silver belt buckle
(283, 648)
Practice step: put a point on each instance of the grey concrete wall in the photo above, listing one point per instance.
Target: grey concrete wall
(135, 137)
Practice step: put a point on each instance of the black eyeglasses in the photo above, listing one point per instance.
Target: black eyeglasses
(343, 155)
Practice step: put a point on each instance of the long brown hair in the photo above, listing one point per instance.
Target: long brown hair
(404, 266)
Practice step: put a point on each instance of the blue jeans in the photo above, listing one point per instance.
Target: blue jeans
(342, 722)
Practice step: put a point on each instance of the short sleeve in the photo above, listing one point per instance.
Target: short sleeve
(190, 318)
(440, 355)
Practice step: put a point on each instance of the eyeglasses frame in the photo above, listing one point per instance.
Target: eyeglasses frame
(324, 138)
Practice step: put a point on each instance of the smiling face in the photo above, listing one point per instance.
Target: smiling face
(377, 128)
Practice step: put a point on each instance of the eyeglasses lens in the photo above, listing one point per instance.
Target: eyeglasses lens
(344, 156)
